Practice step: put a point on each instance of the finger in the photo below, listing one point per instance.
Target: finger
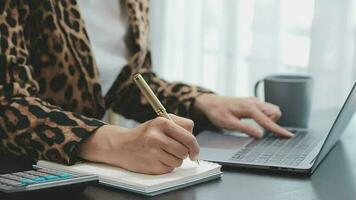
(237, 124)
(173, 147)
(268, 124)
(168, 159)
(159, 168)
(271, 110)
(274, 113)
(273, 117)
(268, 107)
(181, 135)
(187, 124)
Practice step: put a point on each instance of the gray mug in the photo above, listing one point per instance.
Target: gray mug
(293, 95)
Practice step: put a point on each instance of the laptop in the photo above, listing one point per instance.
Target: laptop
(301, 154)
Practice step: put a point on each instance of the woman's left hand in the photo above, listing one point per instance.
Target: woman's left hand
(227, 112)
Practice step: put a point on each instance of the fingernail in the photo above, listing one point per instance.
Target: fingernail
(259, 133)
(194, 158)
(289, 134)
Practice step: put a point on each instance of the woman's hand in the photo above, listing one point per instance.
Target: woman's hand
(155, 147)
(227, 112)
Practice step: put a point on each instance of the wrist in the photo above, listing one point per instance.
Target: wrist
(199, 113)
(202, 101)
(98, 146)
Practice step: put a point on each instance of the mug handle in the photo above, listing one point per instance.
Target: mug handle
(257, 86)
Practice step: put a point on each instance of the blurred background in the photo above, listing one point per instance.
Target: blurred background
(228, 45)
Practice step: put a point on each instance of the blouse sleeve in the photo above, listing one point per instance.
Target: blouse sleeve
(28, 125)
(177, 97)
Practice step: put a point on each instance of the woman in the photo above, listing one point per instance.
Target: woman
(51, 101)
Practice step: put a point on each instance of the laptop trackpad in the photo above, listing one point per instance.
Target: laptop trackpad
(220, 145)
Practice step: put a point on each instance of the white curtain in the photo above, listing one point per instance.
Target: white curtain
(227, 45)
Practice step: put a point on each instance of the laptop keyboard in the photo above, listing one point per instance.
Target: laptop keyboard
(274, 150)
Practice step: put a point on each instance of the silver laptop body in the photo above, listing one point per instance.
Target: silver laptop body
(301, 154)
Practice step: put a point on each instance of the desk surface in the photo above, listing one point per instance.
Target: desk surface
(334, 179)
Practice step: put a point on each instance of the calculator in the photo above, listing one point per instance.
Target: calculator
(41, 180)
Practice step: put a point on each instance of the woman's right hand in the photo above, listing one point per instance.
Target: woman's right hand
(154, 147)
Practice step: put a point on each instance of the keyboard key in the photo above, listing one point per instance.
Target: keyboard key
(276, 151)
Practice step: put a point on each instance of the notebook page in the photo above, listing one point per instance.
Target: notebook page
(188, 169)
(119, 175)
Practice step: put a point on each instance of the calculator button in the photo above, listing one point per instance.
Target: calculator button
(51, 177)
(26, 181)
(47, 171)
(5, 187)
(64, 175)
(10, 176)
(25, 175)
(36, 173)
(38, 179)
(9, 182)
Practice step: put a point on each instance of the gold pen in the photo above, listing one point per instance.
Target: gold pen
(151, 97)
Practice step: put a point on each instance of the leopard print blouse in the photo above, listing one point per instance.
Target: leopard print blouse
(50, 93)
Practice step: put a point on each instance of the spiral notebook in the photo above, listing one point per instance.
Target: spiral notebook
(189, 173)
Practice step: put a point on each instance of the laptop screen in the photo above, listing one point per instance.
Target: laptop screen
(338, 127)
